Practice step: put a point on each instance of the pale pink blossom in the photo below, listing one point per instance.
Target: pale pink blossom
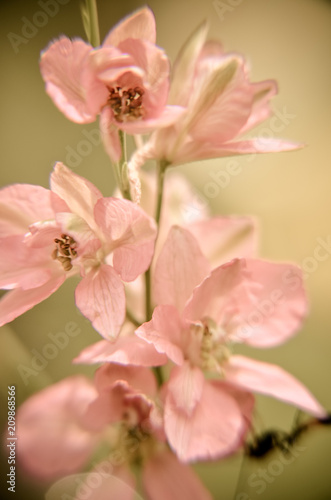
(63, 426)
(221, 105)
(198, 322)
(48, 236)
(125, 81)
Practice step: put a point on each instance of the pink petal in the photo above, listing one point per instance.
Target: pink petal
(18, 301)
(180, 267)
(186, 385)
(109, 134)
(79, 194)
(184, 483)
(221, 120)
(262, 93)
(120, 483)
(21, 266)
(129, 350)
(100, 297)
(273, 381)
(139, 378)
(140, 24)
(184, 66)
(222, 239)
(217, 293)
(168, 116)
(257, 145)
(164, 331)
(22, 205)
(52, 433)
(130, 231)
(213, 430)
(276, 310)
(64, 66)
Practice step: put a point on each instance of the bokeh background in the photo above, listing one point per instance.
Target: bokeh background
(289, 194)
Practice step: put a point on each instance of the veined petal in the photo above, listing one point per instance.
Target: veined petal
(213, 430)
(164, 331)
(100, 297)
(109, 135)
(184, 484)
(185, 386)
(139, 378)
(222, 239)
(132, 260)
(64, 67)
(140, 25)
(54, 436)
(277, 307)
(273, 381)
(262, 93)
(180, 267)
(79, 194)
(130, 350)
(18, 301)
(184, 66)
(22, 205)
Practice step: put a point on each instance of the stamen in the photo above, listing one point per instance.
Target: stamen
(127, 104)
(65, 251)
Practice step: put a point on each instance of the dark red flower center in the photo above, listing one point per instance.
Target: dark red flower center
(127, 104)
(65, 251)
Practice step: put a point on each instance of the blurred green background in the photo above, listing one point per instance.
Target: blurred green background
(289, 193)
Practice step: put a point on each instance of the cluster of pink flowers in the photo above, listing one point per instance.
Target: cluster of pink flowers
(169, 391)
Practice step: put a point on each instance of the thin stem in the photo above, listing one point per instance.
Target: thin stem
(92, 12)
(148, 306)
(131, 317)
(162, 168)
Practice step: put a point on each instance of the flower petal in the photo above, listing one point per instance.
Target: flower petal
(129, 350)
(262, 93)
(186, 385)
(18, 301)
(65, 69)
(277, 307)
(22, 205)
(140, 25)
(100, 297)
(164, 331)
(222, 239)
(273, 381)
(184, 484)
(139, 378)
(109, 135)
(214, 429)
(54, 438)
(79, 194)
(180, 267)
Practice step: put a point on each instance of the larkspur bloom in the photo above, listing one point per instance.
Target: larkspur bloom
(221, 105)
(198, 321)
(126, 80)
(48, 236)
(60, 428)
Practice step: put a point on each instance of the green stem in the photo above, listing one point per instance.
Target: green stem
(160, 184)
(148, 307)
(92, 13)
(130, 316)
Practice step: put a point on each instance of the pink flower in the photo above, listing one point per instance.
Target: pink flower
(126, 80)
(221, 104)
(48, 236)
(60, 428)
(198, 321)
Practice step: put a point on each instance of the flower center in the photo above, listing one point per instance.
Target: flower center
(65, 251)
(127, 104)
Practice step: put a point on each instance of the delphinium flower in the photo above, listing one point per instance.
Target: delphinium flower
(198, 320)
(125, 80)
(62, 428)
(48, 236)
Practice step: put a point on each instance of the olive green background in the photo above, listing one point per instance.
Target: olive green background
(289, 193)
